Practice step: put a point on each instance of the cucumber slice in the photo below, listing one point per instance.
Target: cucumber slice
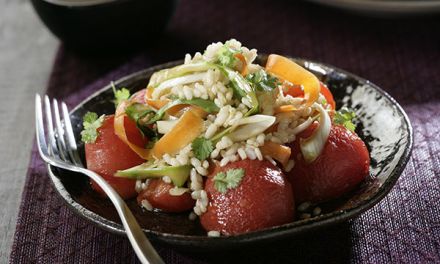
(178, 174)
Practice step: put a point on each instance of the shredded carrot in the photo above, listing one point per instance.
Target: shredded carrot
(243, 62)
(284, 109)
(288, 70)
(148, 93)
(198, 110)
(157, 104)
(277, 151)
(177, 110)
(189, 126)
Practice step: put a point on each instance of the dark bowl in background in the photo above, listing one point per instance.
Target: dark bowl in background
(100, 25)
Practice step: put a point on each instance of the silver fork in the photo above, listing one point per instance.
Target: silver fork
(62, 153)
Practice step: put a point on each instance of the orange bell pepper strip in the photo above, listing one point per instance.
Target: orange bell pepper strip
(188, 128)
(277, 151)
(288, 70)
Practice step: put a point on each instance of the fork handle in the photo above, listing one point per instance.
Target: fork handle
(141, 245)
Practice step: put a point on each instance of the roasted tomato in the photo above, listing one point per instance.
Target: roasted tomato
(158, 195)
(263, 199)
(109, 154)
(328, 96)
(293, 90)
(342, 165)
(296, 91)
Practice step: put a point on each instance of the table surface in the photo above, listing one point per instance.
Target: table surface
(27, 51)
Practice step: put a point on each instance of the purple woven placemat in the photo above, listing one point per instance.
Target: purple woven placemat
(400, 55)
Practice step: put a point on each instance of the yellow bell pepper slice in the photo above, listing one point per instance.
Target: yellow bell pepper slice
(288, 70)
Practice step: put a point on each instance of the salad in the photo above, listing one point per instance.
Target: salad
(239, 145)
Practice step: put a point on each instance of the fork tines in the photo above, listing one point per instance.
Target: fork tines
(62, 144)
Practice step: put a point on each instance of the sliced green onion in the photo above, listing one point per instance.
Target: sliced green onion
(312, 147)
(242, 88)
(158, 77)
(166, 85)
(251, 126)
(304, 125)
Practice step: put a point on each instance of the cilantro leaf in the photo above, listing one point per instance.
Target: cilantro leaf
(220, 183)
(138, 111)
(229, 180)
(263, 81)
(202, 148)
(120, 95)
(226, 56)
(91, 123)
(345, 117)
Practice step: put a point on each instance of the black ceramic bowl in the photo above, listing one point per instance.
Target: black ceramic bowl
(381, 123)
(97, 25)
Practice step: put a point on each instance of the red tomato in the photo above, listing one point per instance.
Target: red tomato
(342, 165)
(293, 90)
(328, 96)
(297, 91)
(158, 195)
(109, 154)
(263, 199)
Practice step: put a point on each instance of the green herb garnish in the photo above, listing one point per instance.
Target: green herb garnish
(137, 111)
(262, 81)
(345, 117)
(202, 148)
(91, 123)
(242, 88)
(207, 105)
(229, 180)
(120, 95)
(141, 114)
(226, 56)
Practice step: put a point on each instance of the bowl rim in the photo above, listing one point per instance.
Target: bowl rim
(389, 7)
(280, 231)
(80, 3)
